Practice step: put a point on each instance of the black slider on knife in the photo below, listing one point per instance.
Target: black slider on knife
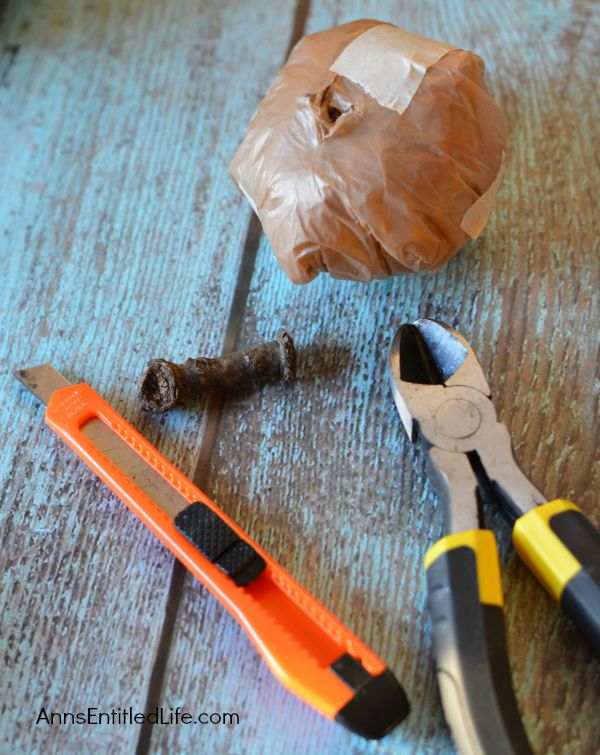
(219, 543)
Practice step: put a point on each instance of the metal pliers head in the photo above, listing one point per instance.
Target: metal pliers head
(443, 399)
(433, 367)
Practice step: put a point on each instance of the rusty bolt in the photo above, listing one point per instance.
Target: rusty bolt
(166, 384)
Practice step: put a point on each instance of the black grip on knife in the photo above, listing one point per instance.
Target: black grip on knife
(215, 539)
(379, 703)
(472, 662)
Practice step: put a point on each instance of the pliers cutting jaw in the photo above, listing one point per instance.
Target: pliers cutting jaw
(424, 354)
(444, 401)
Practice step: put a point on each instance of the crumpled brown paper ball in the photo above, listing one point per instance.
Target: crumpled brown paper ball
(346, 185)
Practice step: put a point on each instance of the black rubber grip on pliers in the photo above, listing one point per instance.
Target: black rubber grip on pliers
(562, 548)
(580, 598)
(472, 662)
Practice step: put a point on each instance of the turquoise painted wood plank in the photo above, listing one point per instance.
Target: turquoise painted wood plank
(320, 473)
(121, 240)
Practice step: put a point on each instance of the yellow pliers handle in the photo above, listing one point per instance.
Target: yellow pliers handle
(473, 670)
(562, 548)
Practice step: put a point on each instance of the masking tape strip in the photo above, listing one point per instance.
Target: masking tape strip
(477, 215)
(389, 63)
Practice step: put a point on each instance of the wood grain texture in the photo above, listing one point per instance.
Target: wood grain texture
(121, 241)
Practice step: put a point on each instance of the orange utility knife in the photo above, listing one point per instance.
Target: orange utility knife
(305, 646)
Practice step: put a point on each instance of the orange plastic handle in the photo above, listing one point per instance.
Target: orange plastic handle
(297, 637)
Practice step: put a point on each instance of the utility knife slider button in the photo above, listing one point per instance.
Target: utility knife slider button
(219, 543)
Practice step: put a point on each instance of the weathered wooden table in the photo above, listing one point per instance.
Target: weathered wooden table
(123, 238)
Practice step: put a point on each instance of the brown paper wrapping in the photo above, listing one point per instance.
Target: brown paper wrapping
(375, 152)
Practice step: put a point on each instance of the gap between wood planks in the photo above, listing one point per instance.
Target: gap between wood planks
(213, 413)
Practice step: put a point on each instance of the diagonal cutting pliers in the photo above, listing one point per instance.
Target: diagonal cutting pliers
(444, 401)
